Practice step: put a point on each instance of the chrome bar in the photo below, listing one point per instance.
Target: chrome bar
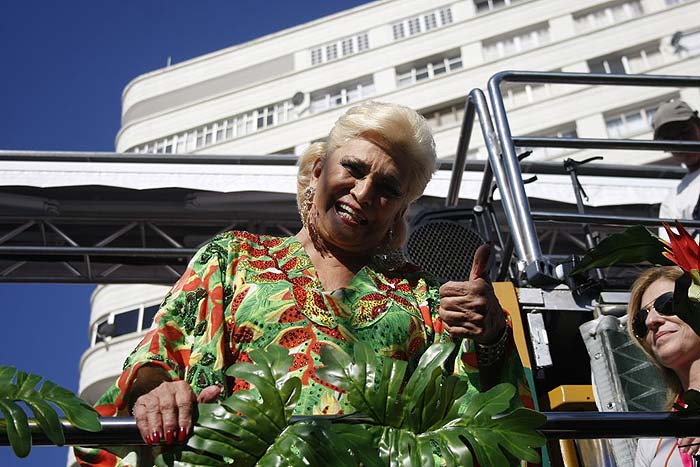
(58, 156)
(528, 235)
(596, 143)
(537, 267)
(598, 78)
(607, 219)
(476, 103)
(495, 164)
(461, 156)
(98, 251)
(119, 431)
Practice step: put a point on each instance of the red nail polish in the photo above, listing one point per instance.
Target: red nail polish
(149, 440)
(169, 437)
(181, 435)
(156, 437)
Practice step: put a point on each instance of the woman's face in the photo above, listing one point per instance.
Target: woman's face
(360, 193)
(670, 339)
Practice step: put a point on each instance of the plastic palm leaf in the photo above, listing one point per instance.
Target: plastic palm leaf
(635, 245)
(424, 413)
(254, 427)
(18, 386)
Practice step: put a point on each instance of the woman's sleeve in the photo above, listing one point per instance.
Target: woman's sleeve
(188, 339)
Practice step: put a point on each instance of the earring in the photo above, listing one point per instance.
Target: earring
(306, 204)
(308, 216)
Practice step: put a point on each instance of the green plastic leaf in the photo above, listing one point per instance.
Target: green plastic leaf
(17, 427)
(47, 418)
(635, 245)
(517, 433)
(492, 402)
(399, 421)
(18, 386)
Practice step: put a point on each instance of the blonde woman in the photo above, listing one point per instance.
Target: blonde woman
(675, 348)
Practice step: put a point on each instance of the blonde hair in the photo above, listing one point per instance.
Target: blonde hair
(398, 130)
(635, 304)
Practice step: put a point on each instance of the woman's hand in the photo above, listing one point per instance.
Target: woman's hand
(470, 309)
(165, 413)
(689, 445)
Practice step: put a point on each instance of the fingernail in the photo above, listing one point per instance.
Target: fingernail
(149, 440)
(156, 437)
(169, 437)
(181, 434)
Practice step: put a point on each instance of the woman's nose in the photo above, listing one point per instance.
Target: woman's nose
(654, 319)
(362, 191)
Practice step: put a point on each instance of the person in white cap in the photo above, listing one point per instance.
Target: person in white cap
(675, 120)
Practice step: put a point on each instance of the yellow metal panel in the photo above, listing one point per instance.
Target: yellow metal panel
(572, 397)
(505, 292)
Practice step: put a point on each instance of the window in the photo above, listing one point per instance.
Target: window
(332, 52)
(149, 313)
(611, 14)
(222, 130)
(397, 28)
(631, 122)
(629, 62)
(421, 23)
(341, 94)
(504, 46)
(362, 42)
(428, 68)
(430, 21)
(124, 322)
(445, 116)
(336, 49)
(348, 47)
(414, 26)
(316, 56)
(445, 16)
(545, 154)
(482, 6)
(517, 95)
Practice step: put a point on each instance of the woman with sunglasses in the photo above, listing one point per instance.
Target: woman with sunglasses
(675, 348)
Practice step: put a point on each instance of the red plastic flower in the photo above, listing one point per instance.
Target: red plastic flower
(682, 249)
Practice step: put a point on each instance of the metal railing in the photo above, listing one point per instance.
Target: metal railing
(117, 431)
(504, 166)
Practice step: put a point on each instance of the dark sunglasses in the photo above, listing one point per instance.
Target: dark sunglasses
(663, 304)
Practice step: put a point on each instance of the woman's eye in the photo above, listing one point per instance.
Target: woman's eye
(353, 169)
(392, 192)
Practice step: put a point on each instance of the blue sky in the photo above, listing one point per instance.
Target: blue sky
(64, 66)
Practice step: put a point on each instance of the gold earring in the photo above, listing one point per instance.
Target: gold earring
(306, 204)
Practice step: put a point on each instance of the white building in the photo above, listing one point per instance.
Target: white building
(278, 93)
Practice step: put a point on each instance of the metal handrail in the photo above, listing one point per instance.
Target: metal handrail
(476, 103)
(118, 431)
(536, 267)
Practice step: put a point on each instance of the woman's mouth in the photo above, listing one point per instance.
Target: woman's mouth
(349, 215)
(660, 335)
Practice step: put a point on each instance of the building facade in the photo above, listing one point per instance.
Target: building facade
(281, 92)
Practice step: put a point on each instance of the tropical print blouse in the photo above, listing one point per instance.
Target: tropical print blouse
(243, 291)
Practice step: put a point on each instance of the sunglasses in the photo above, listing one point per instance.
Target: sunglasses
(663, 304)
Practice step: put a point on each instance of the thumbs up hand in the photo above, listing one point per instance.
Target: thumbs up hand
(470, 309)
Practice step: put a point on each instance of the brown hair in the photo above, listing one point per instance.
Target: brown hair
(634, 306)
